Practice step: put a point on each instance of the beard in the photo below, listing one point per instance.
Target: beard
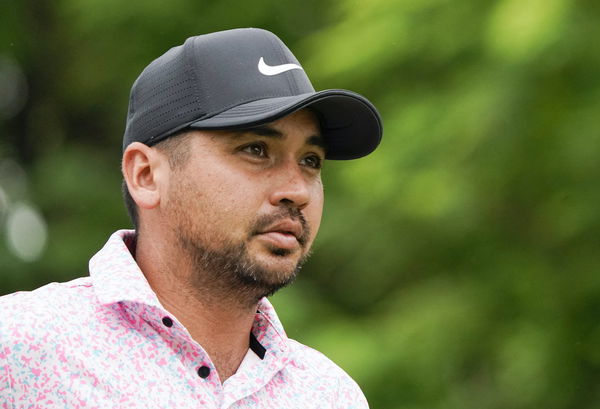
(230, 271)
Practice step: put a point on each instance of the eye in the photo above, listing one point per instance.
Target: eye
(256, 149)
(313, 161)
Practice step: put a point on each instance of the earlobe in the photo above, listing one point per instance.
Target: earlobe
(140, 166)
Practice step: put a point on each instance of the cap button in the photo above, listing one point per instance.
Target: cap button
(167, 322)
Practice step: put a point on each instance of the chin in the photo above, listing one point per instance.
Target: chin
(267, 276)
(280, 265)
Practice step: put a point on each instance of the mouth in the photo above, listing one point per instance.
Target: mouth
(287, 227)
(285, 234)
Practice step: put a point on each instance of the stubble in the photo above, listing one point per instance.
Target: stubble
(229, 271)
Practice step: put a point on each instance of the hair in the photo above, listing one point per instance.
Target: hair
(175, 147)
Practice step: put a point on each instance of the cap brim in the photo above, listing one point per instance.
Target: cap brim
(350, 124)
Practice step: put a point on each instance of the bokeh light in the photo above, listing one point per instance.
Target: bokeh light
(26, 232)
(3, 204)
(13, 179)
(13, 88)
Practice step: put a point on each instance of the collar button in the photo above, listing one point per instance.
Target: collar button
(203, 372)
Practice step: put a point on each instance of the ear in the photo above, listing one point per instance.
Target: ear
(142, 169)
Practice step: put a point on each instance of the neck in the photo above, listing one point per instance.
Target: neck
(219, 322)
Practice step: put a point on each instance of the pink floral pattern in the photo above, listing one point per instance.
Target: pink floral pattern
(100, 342)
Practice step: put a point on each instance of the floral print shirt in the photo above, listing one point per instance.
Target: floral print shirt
(105, 341)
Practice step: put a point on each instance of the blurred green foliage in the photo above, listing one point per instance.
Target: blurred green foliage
(457, 267)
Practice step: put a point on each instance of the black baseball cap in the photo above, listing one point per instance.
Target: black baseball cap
(238, 79)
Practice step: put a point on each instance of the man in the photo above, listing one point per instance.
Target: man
(223, 147)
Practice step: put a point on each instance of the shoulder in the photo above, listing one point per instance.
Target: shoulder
(51, 293)
(316, 361)
(46, 305)
(37, 329)
(318, 367)
(36, 323)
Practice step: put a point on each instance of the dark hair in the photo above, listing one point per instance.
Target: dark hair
(129, 205)
(175, 148)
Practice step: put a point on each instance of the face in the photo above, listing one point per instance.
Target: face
(246, 205)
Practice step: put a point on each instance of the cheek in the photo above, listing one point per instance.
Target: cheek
(230, 202)
(314, 211)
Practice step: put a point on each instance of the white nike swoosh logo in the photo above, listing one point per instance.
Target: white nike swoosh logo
(275, 69)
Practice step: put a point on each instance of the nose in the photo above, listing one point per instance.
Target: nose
(290, 187)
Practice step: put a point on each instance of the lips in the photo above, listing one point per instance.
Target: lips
(286, 227)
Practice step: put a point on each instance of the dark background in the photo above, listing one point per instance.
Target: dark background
(456, 267)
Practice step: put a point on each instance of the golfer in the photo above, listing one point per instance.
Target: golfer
(222, 152)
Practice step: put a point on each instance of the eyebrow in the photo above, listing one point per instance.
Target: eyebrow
(270, 132)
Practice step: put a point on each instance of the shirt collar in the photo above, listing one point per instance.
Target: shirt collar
(115, 274)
